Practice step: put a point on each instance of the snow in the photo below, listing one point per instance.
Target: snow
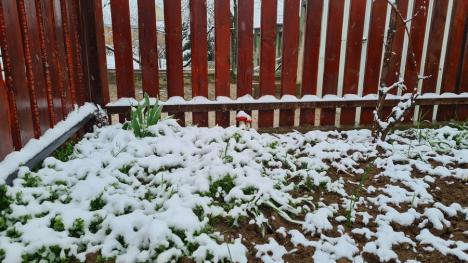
(154, 198)
(13, 160)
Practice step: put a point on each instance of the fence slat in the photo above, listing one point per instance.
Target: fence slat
(45, 63)
(353, 56)
(462, 82)
(267, 57)
(52, 58)
(433, 53)
(332, 58)
(244, 47)
(311, 55)
(13, 59)
(34, 70)
(199, 54)
(5, 129)
(374, 54)
(222, 55)
(81, 93)
(454, 55)
(148, 47)
(289, 56)
(62, 58)
(91, 27)
(173, 30)
(123, 53)
(68, 52)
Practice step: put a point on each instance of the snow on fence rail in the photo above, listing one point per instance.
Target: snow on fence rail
(54, 56)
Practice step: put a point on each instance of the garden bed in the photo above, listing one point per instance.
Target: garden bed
(196, 194)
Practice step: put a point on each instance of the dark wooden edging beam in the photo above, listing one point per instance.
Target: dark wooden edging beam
(47, 151)
(330, 103)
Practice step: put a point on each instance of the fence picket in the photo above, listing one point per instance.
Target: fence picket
(311, 56)
(199, 62)
(14, 63)
(374, 55)
(267, 58)
(244, 47)
(289, 56)
(148, 47)
(222, 58)
(5, 129)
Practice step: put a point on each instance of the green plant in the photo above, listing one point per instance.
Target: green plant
(31, 180)
(13, 233)
(357, 193)
(97, 203)
(143, 116)
(226, 184)
(95, 224)
(77, 228)
(56, 224)
(64, 152)
(52, 254)
(5, 200)
(2, 255)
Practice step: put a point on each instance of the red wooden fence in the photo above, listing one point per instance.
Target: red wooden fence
(54, 56)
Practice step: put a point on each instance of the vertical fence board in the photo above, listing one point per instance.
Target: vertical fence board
(68, 51)
(244, 47)
(353, 56)
(433, 53)
(123, 53)
(81, 92)
(91, 29)
(415, 47)
(332, 58)
(52, 55)
(13, 58)
(173, 30)
(34, 70)
(5, 128)
(461, 112)
(311, 55)
(62, 57)
(374, 55)
(199, 53)
(45, 60)
(454, 59)
(222, 55)
(148, 47)
(267, 57)
(289, 56)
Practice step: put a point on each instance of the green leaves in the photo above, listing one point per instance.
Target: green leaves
(143, 116)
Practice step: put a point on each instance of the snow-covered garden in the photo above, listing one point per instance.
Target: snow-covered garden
(181, 194)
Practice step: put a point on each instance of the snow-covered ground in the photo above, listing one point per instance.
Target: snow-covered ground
(214, 194)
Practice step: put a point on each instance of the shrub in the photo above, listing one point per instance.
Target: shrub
(143, 116)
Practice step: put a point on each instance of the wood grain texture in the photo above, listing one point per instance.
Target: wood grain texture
(222, 55)
(5, 129)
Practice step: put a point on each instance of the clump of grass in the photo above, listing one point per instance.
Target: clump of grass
(357, 194)
(13, 233)
(95, 224)
(5, 200)
(47, 254)
(226, 184)
(143, 116)
(31, 180)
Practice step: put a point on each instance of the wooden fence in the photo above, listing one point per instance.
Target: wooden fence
(54, 56)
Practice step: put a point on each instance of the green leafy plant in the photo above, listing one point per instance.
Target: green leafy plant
(77, 228)
(143, 116)
(97, 203)
(5, 200)
(95, 224)
(13, 233)
(31, 180)
(56, 224)
(65, 152)
(51, 254)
